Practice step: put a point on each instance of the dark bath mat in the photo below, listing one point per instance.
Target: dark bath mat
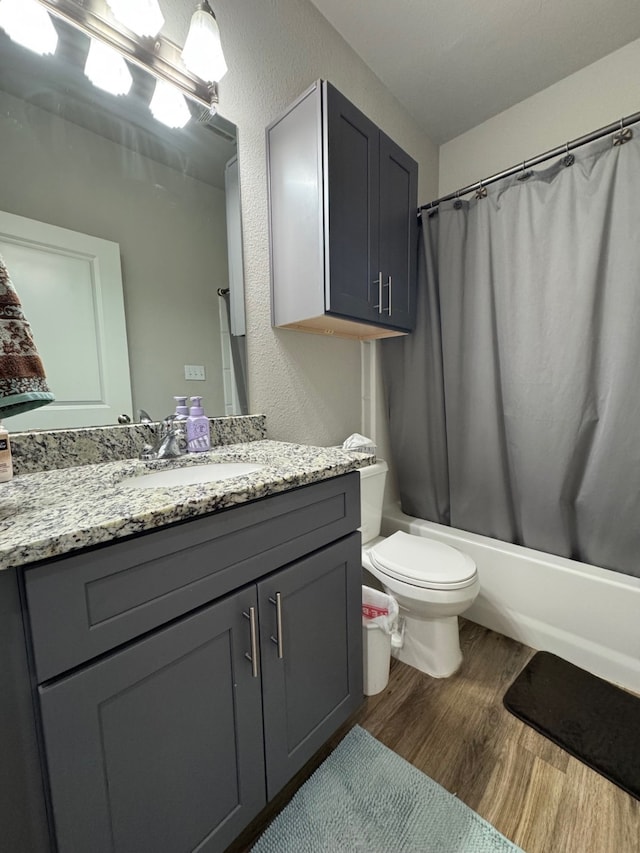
(591, 719)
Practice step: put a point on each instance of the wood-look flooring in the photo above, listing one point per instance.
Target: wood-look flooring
(457, 731)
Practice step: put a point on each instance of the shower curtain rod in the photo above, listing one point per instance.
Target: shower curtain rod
(548, 155)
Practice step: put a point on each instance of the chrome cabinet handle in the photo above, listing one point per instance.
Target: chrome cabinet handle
(390, 286)
(253, 657)
(378, 281)
(277, 602)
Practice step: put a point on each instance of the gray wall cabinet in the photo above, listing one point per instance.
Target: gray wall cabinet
(182, 677)
(343, 221)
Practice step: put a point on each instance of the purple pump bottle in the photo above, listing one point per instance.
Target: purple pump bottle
(198, 436)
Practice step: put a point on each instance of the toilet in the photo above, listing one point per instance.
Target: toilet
(433, 583)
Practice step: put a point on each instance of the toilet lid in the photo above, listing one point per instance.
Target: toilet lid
(423, 562)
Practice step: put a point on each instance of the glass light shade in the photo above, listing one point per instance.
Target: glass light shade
(202, 52)
(169, 106)
(29, 24)
(142, 17)
(107, 69)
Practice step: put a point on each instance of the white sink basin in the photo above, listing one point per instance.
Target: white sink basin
(209, 473)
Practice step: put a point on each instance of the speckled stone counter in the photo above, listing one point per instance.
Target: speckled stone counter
(65, 448)
(52, 513)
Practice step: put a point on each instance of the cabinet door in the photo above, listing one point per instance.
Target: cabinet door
(311, 655)
(398, 234)
(351, 210)
(159, 746)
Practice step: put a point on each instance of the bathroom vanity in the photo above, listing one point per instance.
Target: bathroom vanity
(163, 684)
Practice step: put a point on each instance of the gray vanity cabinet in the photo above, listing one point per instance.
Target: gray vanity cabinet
(184, 676)
(343, 221)
(310, 655)
(159, 747)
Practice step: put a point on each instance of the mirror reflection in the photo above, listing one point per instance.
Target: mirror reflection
(79, 164)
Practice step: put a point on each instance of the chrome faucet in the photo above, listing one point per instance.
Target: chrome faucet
(170, 443)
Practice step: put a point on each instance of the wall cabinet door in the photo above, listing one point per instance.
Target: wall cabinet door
(311, 642)
(371, 197)
(159, 746)
(398, 234)
(352, 203)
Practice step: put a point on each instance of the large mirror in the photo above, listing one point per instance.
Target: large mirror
(88, 165)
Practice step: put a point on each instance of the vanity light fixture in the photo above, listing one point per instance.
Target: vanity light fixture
(169, 106)
(156, 54)
(202, 53)
(107, 69)
(26, 22)
(143, 17)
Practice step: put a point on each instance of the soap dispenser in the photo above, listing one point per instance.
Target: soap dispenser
(198, 436)
(182, 411)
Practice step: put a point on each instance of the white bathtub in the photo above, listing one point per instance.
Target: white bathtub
(585, 614)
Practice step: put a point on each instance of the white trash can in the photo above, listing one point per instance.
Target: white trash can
(379, 620)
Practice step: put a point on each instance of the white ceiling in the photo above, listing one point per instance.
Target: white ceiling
(456, 63)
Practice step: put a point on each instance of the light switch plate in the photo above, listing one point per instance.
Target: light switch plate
(194, 371)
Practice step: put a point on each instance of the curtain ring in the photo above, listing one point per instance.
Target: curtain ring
(624, 134)
(523, 173)
(568, 159)
(481, 192)
(457, 204)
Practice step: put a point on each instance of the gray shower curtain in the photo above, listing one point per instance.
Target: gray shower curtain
(515, 405)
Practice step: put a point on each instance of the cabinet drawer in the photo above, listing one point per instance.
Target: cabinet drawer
(83, 606)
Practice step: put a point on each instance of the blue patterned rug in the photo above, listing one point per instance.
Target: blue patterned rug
(366, 798)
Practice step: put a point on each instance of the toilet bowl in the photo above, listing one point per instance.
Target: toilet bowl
(433, 583)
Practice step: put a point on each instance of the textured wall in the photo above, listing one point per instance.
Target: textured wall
(308, 386)
(597, 95)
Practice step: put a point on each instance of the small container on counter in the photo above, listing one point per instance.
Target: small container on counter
(198, 434)
(6, 465)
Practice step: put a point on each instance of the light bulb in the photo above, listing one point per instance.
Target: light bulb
(29, 24)
(140, 16)
(202, 53)
(169, 106)
(107, 69)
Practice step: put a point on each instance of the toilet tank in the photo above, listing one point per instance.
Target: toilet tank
(371, 496)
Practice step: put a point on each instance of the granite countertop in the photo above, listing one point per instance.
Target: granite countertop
(52, 513)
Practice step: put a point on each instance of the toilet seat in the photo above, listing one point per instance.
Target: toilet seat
(423, 562)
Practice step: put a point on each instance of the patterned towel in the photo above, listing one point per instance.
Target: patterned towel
(23, 384)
